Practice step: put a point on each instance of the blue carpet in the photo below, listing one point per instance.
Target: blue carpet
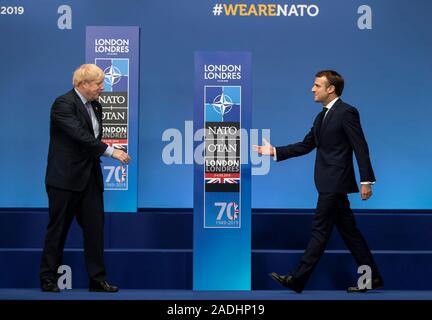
(82, 294)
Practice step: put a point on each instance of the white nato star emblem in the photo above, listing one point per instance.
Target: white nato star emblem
(222, 104)
(112, 75)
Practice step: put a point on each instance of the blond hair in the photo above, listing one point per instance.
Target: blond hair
(86, 73)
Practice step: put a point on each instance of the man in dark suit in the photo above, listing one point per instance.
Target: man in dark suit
(74, 180)
(336, 133)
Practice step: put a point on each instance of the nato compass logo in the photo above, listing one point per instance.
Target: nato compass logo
(116, 74)
(222, 103)
(112, 75)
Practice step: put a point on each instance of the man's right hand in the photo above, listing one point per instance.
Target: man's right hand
(120, 155)
(266, 149)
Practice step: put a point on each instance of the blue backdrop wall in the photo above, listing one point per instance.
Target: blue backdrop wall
(387, 71)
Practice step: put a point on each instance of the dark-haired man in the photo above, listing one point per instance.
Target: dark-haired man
(336, 133)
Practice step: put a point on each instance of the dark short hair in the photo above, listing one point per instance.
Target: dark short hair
(334, 79)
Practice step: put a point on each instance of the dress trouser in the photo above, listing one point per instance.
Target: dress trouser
(334, 209)
(87, 206)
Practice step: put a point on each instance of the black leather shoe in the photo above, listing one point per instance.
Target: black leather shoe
(102, 286)
(49, 285)
(287, 281)
(376, 284)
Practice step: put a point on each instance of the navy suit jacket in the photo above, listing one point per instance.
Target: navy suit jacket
(73, 149)
(335, 140)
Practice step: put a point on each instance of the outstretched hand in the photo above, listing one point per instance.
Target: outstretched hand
(120, 155)
(266, 149)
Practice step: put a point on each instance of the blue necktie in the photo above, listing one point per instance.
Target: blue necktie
(88, 107)
(94, 122)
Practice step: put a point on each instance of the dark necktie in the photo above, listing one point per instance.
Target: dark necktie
(88, 107)
(95, 124)
(325, 110)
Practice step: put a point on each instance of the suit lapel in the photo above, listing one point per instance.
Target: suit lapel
(329, 115)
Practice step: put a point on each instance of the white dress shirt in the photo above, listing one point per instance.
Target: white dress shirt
(95, 124)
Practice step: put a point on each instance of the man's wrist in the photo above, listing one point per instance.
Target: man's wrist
(108, 151)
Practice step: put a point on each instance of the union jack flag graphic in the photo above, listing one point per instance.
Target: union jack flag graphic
(233, 178)
(236, 212)
(123, 174)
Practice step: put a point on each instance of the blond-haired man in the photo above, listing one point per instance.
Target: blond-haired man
(74, 180)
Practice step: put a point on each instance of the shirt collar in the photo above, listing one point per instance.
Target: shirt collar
(83, 99)
(331, 103)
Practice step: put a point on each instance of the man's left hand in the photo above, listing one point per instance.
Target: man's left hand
(366, 191)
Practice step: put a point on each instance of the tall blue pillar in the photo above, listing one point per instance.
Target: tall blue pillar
(222, 178)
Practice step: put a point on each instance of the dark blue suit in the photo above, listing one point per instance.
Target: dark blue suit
(74, 151)
(74, 184)
(336, 138)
